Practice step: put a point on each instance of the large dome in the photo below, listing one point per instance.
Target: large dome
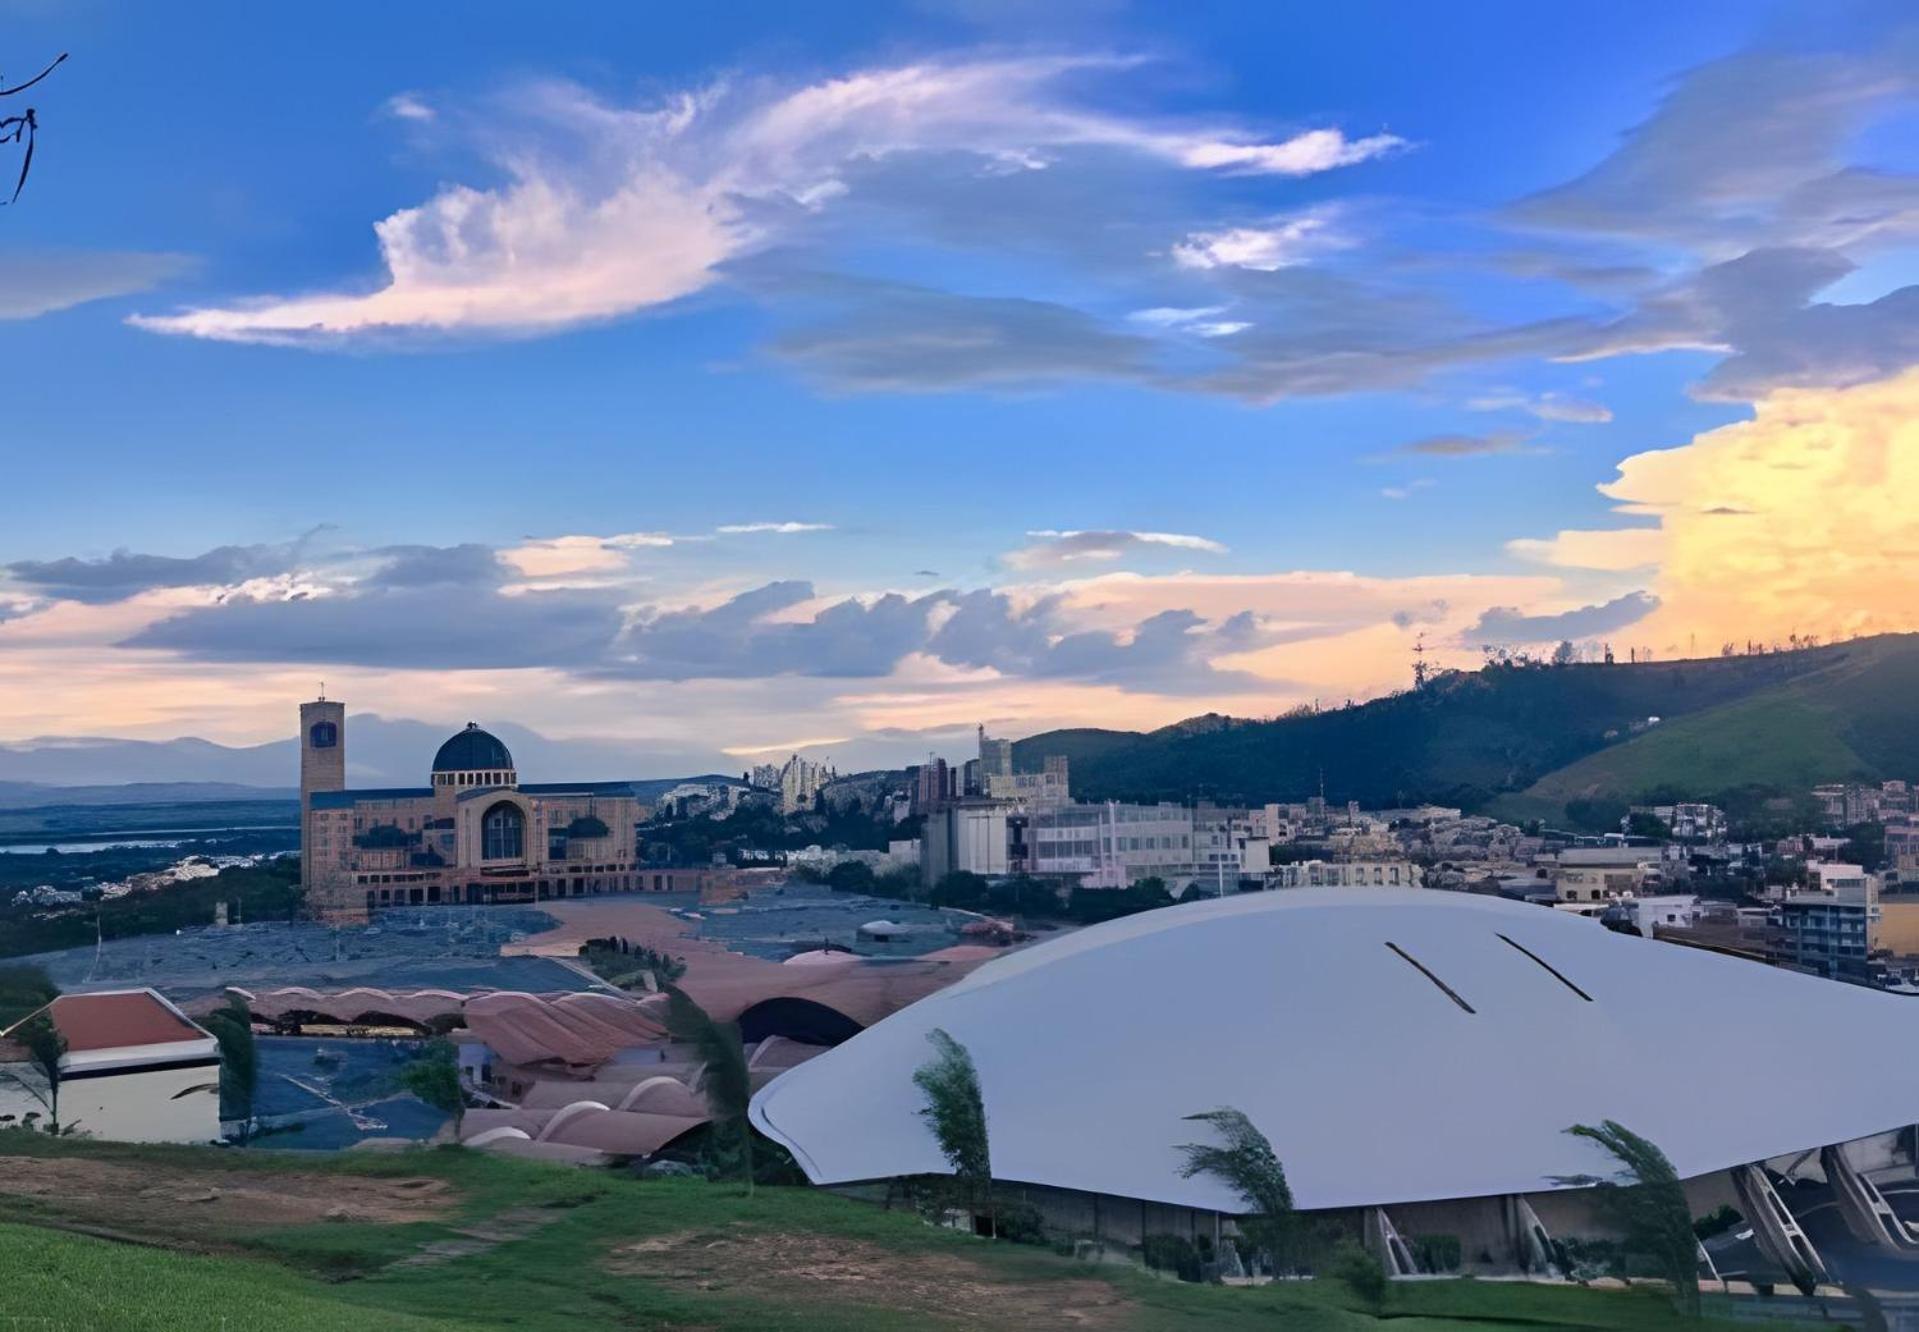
(1394, 1045)
(472, 750)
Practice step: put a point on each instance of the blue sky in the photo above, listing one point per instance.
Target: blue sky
(1242, 298)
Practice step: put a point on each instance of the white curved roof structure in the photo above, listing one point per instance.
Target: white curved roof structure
(1394, 1045)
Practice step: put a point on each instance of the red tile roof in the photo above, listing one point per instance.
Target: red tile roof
(105, 1021)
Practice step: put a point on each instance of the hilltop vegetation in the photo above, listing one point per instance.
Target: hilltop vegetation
(456, 1239)
(270, 891)
(1753, 726)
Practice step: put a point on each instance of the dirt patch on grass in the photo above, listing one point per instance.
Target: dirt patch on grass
(821, 1268)
(200, 1207)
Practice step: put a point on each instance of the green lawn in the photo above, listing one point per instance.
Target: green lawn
(585, 1250)
(77, 1282)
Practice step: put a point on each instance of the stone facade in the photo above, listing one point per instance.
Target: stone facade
(474, 834)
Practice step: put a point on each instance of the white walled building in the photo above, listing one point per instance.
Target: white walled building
(1345, 874)
(136, 1069)
(1675, 911)
(967, 836)
(1112, 845)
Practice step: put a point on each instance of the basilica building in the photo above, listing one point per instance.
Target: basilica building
(473, 834)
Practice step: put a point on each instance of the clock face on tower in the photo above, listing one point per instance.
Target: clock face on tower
(324, 735)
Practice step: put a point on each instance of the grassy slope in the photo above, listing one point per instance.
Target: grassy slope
(1857, 718)
(1784, 721)
(555, 1277)
(1465, 738)
(75, 1281)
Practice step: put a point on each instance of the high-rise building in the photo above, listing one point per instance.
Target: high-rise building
(995, 756)
(933, 786)
(797, 780)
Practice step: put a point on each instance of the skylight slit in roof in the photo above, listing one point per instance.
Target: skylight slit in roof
(1448, 990)
(1556, 973)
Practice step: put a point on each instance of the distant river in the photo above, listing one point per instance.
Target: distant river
(146, 837)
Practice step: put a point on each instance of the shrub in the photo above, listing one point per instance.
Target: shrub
(1171, 1253)
(1019, 1221)
(1361, 1272)
(1437, 1253)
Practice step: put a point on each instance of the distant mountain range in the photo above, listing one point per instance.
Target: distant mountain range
(1543, 741)
(36, 795)
(1551, 742)
(380, 752)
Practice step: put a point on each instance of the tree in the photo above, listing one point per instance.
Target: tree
(45, 1046)
(961, 888)
(434, 1077)
(232, 1027)
(955, 1110)
(1647, 1202)
(1643, 824)
(24, 989)
(724, 1078)
(1866, 846)
(1248, 1164)
(850, 876)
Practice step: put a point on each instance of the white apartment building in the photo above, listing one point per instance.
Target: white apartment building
(797, 780)
(1346, 874)
(1644, 913)
(1112, 845)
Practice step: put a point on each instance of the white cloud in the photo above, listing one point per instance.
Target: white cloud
(1282, 243)
(1609, 550)
(606, 210)
(1407, 490)
(409, 106)
(1066, 547)
(1197, 320)
(1557, 407)
(565, 556)
(1303, 155)
(783, 529)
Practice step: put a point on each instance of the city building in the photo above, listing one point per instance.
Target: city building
(967, 836)
(1644, 915)
(1602, 873)
(474, 833)
(1033, 790)
(1689, 822)
(1346, 874)
(797, 781)
(1111, 845)
(1902, 851)
(136, 1069)
(1831, 928)
(1437, 1046)
(995, 756)
(933, 785)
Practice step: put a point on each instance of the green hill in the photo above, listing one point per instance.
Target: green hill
(1856, 718)
(1541, 736)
